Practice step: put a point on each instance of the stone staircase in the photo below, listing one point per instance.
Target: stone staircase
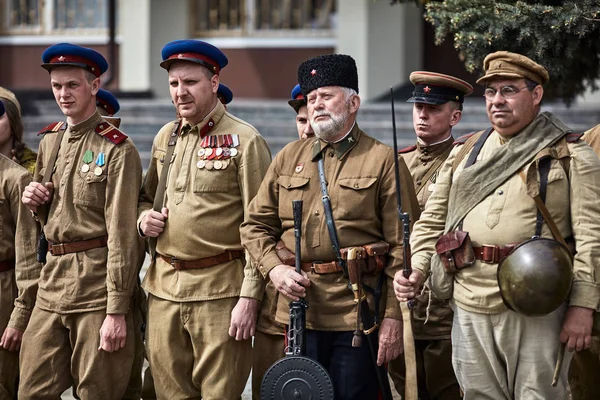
(274, 119)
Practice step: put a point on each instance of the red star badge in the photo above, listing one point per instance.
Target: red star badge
(61, 58)
(115, 136)
(427, 89)
(180, 55)
(313, 72)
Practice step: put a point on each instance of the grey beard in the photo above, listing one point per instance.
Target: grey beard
(328, 130)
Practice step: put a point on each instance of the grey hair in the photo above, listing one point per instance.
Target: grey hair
(348, 92)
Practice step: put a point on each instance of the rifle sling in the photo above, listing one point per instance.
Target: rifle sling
(159, 195)
(43, 211)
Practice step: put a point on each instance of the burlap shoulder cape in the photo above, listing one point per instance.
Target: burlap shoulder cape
(480, 180)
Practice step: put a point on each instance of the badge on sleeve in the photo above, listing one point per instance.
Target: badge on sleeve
(299, 167)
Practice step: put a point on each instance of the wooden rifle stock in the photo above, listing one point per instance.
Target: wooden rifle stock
(410, 387)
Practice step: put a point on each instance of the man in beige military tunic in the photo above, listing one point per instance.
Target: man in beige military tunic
(497, 352)
(583, 373)
(203, 293)
(360, 181)
(80, 332)
(438, 103)
(18, 267)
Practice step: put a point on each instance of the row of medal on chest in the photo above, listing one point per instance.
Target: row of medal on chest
(88, 157)
(216, 151)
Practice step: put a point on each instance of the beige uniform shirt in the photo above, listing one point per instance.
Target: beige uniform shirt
(18, 240)
(424, 163)
(86, 205)
(361, 185)
(206, 208)
(508, 215)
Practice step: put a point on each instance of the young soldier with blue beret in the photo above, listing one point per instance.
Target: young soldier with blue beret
(18, 233)
(203, 291)
(438, 102)
(359, 172)
(81, 329)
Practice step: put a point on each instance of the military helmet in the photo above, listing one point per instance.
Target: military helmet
(535, 278)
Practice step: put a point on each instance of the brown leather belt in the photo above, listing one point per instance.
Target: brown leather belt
(205, 262)
(318, 267)
(491, 254)
(7, 265)
(59, 249)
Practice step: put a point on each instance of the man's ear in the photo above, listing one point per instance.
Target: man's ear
(95, 86)
(455, 118)
(354, 104)
(214, 82)
(537, 93)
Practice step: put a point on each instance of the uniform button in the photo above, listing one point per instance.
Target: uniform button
(500, 192)
(419, 182)
(331, 154)
(289, 185)
(317, 212)
(356, 185)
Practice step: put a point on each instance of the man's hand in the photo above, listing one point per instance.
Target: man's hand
(390, 340)
(577, 328)
(153, 222)
(243, 319)
(406, 289)
(288, 282)
(11, 339)
(113, 333)
(36, 194)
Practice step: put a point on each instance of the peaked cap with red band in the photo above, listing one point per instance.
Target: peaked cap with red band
(436, 88)
(195, 51)
(67, 54)
(297, 99)
(224, 94)
(107, 101)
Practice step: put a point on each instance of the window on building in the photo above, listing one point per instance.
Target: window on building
(263, 18)
(55, 17)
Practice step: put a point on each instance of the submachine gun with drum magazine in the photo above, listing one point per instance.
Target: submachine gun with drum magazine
(296, 376)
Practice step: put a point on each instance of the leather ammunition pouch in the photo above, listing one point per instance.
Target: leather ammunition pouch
(374, 261)
(455, 251)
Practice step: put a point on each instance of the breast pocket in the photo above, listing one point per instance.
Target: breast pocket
(215, 180)
(91, 189)
(290, 188)
(357, 195)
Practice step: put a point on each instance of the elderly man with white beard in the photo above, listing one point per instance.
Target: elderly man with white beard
(359, 172)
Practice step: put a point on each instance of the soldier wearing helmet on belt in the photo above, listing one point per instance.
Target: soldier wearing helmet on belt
(527, 176)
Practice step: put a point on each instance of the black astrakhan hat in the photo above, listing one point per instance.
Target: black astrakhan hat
(328, 70)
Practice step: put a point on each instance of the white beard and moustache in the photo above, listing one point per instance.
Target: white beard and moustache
(329, 129)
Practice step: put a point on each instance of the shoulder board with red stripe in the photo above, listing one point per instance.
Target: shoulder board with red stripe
(573, 137)
(110, 133)
(53, 127)
(461, 140)
(407, 149)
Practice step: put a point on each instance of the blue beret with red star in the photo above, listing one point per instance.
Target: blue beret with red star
(107, 101)
(67, 54)
(297, 99)
(224, 94)
(195, 51)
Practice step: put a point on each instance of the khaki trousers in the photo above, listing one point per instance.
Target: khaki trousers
(9, 360)
(584, 374)
(267, 349)
(61, 350)
(435, 375)
(191, 353)
(508, 356)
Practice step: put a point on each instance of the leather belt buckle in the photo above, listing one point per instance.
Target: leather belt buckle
(57, 249)
(486, 257)
(312, 267)
(175, 263)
